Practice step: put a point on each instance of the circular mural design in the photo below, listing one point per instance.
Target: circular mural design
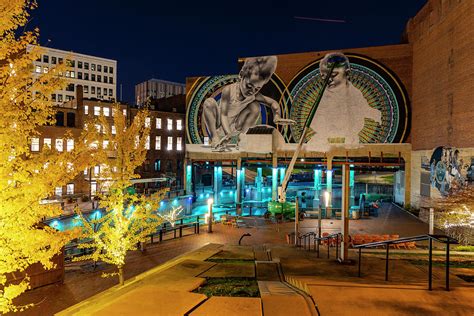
(211, 87)
(382, 90)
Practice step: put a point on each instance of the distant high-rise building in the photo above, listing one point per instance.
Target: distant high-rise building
(157, 89)
(97, 75)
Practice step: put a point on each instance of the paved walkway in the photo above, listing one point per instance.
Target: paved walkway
(81, 282)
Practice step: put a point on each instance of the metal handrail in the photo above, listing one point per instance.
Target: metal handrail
(439, 238)
(317, 242)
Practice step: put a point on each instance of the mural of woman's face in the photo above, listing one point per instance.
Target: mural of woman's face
(338, 77)
(251, 84)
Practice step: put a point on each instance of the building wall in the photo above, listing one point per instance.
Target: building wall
(100, 75)
(157, 89)
(442, 36)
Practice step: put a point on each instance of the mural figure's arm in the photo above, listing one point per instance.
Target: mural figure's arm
(275, 109)
(225, 104)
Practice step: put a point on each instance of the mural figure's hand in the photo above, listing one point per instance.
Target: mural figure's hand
(281, 121)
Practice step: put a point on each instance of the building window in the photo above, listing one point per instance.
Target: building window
(93, 187)
(60, 60)
(93, 67)
(106, 111)
(59, 119)
(111, 80)
(69, 144)
(86, 89)
(69, 97)
(105, 69)
(179, 125)
(79, 75)
(105, 81)
(99, 92)
(92, 90)
(59, 144)
(99, 78)
(157, 142)
(73, 74)
(179, 144)
(158, 123)
(96, 110)
(86, 109)
(114, 131)
(45, 59)
(147, 122)
(70, 63)
(170, 124)
(86, 66)
(105, 144)
(53, 97)
(111, 92)
(125, 112)
(96, 170)
(79, 64)
(47, 143)
(38, 69)
(170, 143)
(60, 98)
(58, 191)
(111, 69)
(35, 144)
(71, 119)
(45, 70)
(70, 188)
(70, 87)
(92, 77)
(147, 143)
(53, 60)
(157, 165)
(86, 76)
(99, 68)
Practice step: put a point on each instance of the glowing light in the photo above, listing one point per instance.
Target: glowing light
(302, 159)
(327, 198)
(201, 196)
(210, 201)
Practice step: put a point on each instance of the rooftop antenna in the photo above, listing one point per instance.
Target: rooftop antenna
(120, 92)
(319, 19)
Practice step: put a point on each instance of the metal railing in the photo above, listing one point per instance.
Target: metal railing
(386, 243)
(305, 242)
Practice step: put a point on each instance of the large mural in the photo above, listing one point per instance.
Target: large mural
(363, 103)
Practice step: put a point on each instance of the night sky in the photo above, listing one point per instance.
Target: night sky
(173, 40)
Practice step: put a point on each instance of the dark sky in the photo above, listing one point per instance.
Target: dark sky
(174, 39)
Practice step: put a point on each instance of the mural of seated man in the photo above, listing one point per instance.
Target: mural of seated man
(343, 109)
(239, 106)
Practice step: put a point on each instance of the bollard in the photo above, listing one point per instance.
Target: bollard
(180, 231)
(161, 234)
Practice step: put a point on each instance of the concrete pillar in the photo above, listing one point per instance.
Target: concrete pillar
(352, 186)
(407, 158)
(259, 184)
(345, 212)
(188, 178)
(274, 178)
(317, 187)
(238, 191)
(217, 183)
(282, 174)
(329, 188)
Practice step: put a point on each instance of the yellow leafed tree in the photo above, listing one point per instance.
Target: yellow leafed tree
(25, 177)
(128, 217)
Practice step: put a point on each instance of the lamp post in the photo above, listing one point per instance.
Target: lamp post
(209, 221)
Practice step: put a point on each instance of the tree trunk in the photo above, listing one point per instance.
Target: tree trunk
(121, 281)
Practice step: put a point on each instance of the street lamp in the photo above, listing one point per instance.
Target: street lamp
(209, 221)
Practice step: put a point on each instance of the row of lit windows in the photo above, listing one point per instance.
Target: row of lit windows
(97, 109)
(80, 75)
(58, 191)
(169, 145)
(47, 142)
(81, 65)
(169, 123)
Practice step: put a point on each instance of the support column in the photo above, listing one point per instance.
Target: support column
(217, 184)
(188, 178)
(352, 186)
(238, 191)
(317, 187)
(407, 158)
(282, 174)
(329, 188)
(274, 178)
(259, 184)
(345, 212)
